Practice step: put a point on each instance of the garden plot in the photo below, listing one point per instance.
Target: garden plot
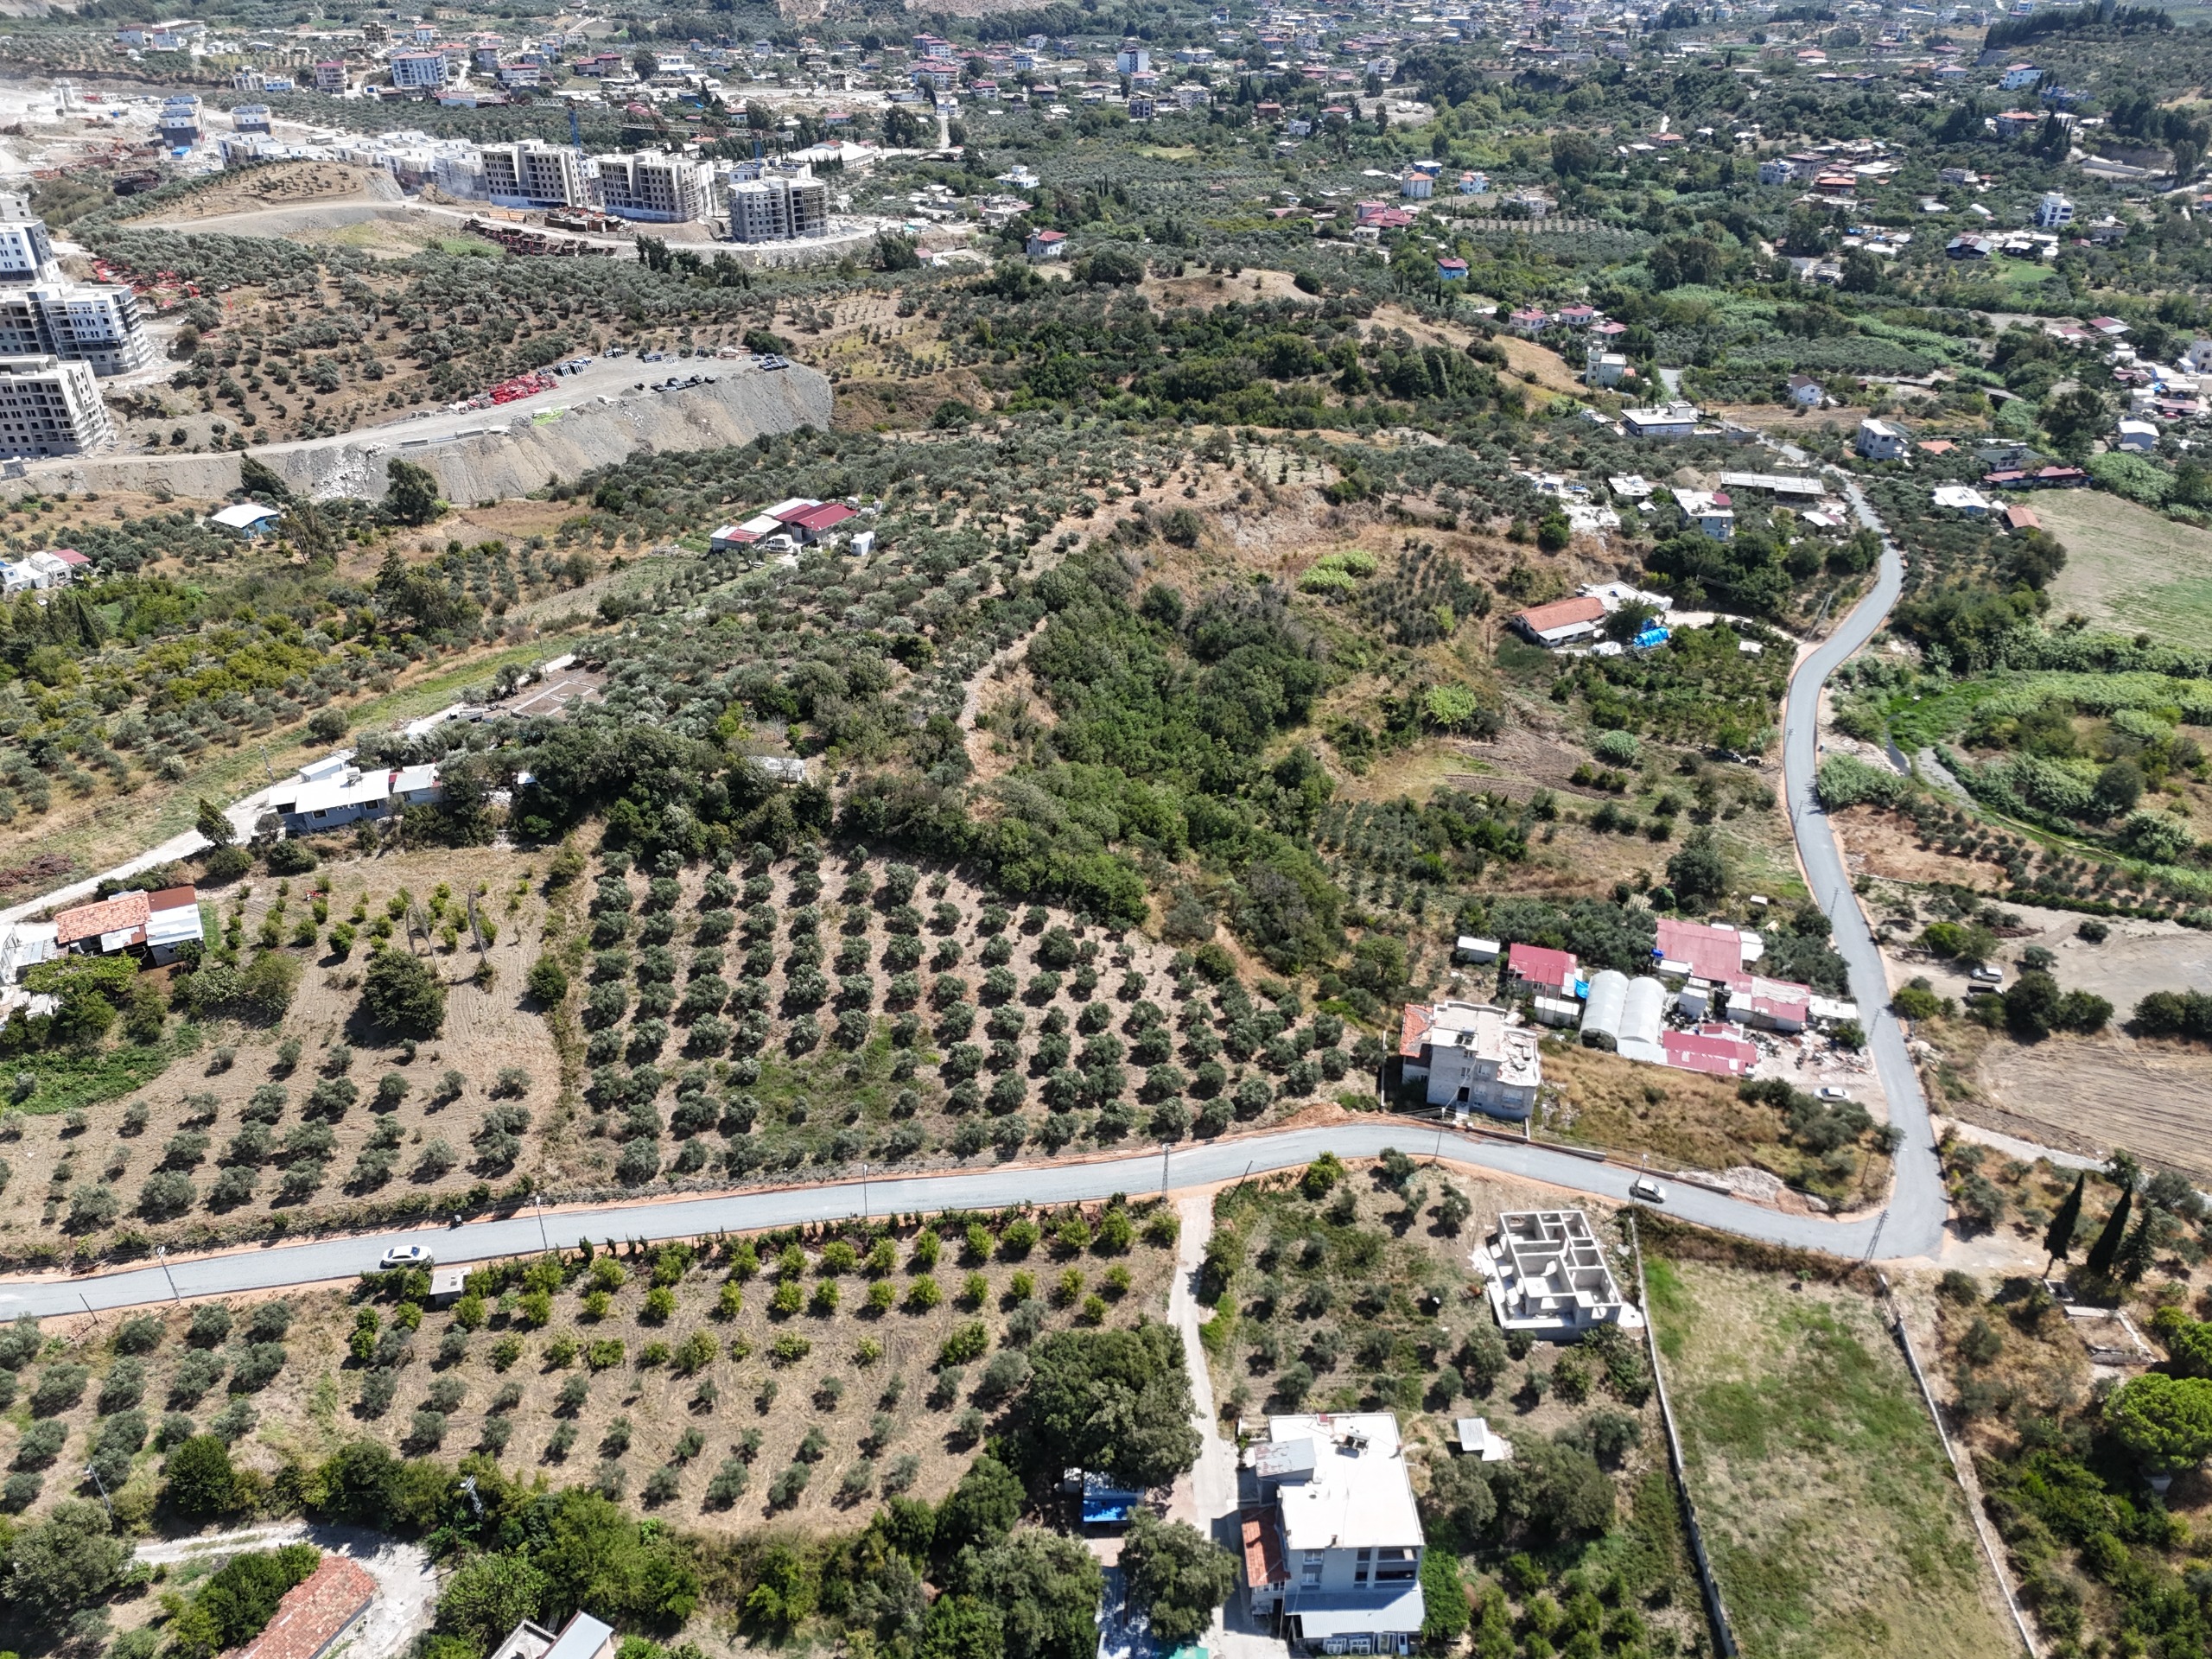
(717, 1384)
(1830, 1511)
(2128, 568)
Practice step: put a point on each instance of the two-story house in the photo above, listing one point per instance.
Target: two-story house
(1332, 1558)
(1471, 1054)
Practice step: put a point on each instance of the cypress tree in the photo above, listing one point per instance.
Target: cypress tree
(2136, 1254)
(2102, 1253)
(2058, 1239)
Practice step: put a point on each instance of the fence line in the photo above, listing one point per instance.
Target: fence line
(1724, 1634)
(1974, 1508)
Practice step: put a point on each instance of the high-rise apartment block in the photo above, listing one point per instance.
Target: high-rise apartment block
(534, 174)
(50, 408)
(776, 209)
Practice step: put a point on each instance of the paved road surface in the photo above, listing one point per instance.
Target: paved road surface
(1918, 1205)
(1200, 1165)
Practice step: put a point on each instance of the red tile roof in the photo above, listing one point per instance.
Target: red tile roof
(314, 1612)
(1560, 613)
(125, 910)
(1413, 1029)
(1263, 1558)
(172, 898)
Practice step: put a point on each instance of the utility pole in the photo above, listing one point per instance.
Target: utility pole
(1166, 1147)
(88, 1309)
(538, 1199)
(863, 1192)
(162, 1254)
(102, 1485)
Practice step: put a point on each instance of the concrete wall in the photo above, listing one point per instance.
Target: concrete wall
(513, 455)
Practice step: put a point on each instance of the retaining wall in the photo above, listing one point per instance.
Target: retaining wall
(503, 455)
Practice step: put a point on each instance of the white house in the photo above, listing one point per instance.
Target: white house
(2136, 435)
(1332, 1558)
(1675, 421)
(1547, 1274)
(248, 519)
(2019, 75)
(350, 794)
(2054, 211)
(1879, 441)
(1960, 498)
(1805, 391)
(1471, 1054)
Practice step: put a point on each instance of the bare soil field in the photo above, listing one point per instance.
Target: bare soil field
(1834, 1523)
(2129, 567)
(287, 184)
(2093, 1093)
(725, 1367)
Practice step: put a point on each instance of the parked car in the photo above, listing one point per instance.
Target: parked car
(1831, 1092)
(1647, 1189)
(405, 1256)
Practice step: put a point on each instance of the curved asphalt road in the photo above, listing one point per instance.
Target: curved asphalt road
(1914, 1220)
(1911, 1225)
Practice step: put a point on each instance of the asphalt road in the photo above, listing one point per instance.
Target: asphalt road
(1917, 1204)
(1141, 1172)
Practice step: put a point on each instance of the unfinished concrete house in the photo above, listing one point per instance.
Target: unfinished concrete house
(1546, 1274)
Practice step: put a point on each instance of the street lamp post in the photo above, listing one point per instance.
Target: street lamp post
(1166, 1147)
(863, 1192)
(162, 1254)
(538, 1199)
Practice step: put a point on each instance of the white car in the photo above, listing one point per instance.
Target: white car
(405, 1256)
(1831, 1092)
(1647, 1189)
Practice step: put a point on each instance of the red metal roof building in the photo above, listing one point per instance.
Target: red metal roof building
(1531, 968)
(1705, 1050)
(314, 1612)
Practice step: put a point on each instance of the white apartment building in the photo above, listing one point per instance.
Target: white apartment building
(534, 174)
(652, 185)
(2053, 211)
(26, 250)
(777, 209)
(48, 407)
(418, 71)
(1332, 1561)
(1469, 1054)
(42, 313)
(97, 325)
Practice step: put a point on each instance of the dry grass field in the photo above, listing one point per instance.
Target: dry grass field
(1835, 1527)
(2128, 568)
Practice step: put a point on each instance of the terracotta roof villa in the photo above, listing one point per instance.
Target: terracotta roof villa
(315, 1612)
